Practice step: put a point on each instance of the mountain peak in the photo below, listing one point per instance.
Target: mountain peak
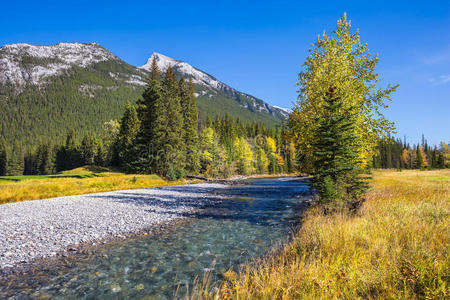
(22, 62)
(162, 61)
(211, 85)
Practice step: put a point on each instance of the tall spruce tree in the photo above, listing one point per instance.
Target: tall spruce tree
(15, 163)
(87, 150)
(44, 158)
(68, 156)
(129, 127)
(336, 165)
(3, 157)
(174, 150)
(190, 116)
(159, 145)
(152, 115)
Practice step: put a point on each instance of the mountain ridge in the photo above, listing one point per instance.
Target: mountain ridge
(202, 78)
(47, 90)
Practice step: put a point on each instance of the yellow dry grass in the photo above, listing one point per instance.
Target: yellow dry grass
(395, 247)
(32, 189)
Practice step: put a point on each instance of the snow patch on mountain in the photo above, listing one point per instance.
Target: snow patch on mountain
(286, 110)
(53, 60)
(197, 76)
(136, 80)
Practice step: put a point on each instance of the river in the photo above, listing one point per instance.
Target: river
(253, 219)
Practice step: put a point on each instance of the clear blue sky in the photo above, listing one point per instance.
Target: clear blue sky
(258, 46)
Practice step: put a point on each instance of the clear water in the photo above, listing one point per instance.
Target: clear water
(255, 217)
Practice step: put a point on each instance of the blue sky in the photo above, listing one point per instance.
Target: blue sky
(258, 46)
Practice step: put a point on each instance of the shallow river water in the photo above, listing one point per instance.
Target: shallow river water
(252, 219)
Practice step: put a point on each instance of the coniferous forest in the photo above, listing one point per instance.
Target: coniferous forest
(164, 133)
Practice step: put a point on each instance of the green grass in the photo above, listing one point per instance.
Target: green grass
(33, 177)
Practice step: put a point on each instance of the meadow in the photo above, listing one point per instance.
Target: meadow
(74, 182)
(396, 246)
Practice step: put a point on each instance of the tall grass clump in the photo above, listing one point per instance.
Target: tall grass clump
(396, 246)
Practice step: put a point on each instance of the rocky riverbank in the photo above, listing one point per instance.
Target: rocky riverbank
(38, 229)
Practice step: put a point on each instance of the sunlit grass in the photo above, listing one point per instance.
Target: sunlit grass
(397, 246)
(74, 182)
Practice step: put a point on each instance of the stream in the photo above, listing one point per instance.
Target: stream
(252, 219)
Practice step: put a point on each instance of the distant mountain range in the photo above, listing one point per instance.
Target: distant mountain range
(46, 90)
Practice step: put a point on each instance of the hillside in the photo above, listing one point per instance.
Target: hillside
(46, 90)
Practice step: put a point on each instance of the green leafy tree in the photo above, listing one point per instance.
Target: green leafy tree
(261, 162)
(275, 160)
(340, 60)
(100, 158)
(212, 155)
(109, 138)
(243, 155)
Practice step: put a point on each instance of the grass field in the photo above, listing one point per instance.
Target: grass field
(397, 246)
(74, 182)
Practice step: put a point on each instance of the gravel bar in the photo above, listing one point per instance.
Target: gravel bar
(44, 228)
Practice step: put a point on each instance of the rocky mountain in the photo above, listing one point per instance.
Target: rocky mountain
(47, 90)
(210, 87)
(22, 64)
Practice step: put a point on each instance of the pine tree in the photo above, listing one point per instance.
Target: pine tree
(129, 127)
(30, 162)
(434, 158)
(68, 156)
(174, 150)
(189, 111)
(87, 150)
(3, 157)
(441, 160)
(100, 154)
(15, 162)
(336, 165)
(44, 157)
(419, 158)
(151, 136)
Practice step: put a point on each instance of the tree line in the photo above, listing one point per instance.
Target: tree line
(398, 154)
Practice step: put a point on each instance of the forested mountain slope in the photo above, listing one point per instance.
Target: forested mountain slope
(46, 90)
